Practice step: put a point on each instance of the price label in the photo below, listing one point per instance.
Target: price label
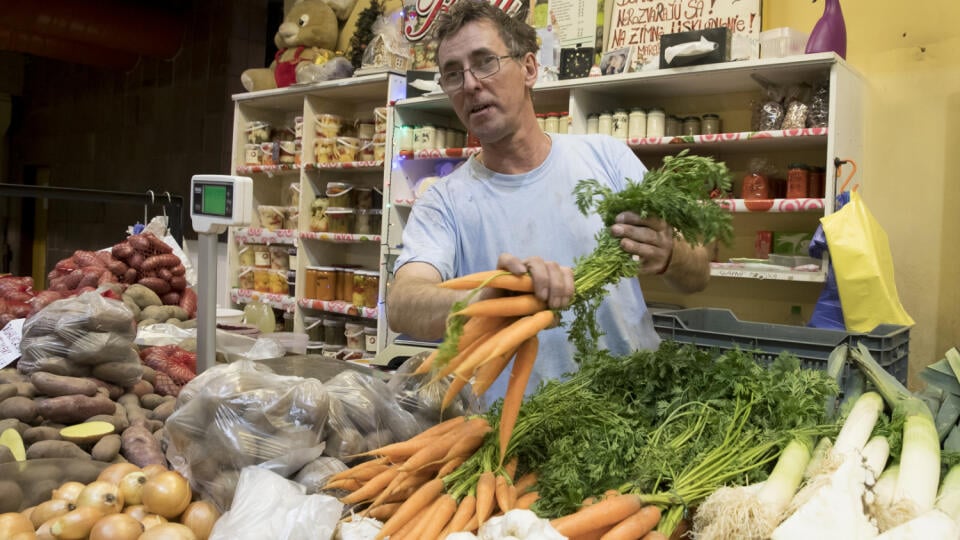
(10, 342)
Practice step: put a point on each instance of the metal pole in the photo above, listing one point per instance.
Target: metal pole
(207, 301)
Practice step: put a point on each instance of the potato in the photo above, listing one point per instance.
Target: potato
(56, 449)
(7, 390)
(147, 322)
(26, 389)
(98, 347)
(119, 422)
(87, 432)
(40, 433)
(142, 387)
(131, 405)
(152, 401)
(163, 313)
(52, 385)
(164, 410)
(122, 373)
(74, 409)
(149, 375)
(11, 375)
(61, 366)
(6, 456)
(113, 391)
(143, 296)
(13, 423)
(106, 448)
(131, 305)
(141, 448)
(21, 408)
(11, 496)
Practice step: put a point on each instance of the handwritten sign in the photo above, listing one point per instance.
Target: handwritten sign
(10, 341)
(641, 23)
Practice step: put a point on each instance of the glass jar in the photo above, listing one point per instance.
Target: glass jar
(621, 119)
(328, 125)
(278, 281)
(279, 258)
(756, 185)
(593, 124)
(710, 124)
(313, 326)
(340, 194)
(552, 123)
(246, 256)
(310, 283)
(333, 331)
(324, 283)
(261, 279)
(798, 181)
(359, 286)
(371, 291)
(353, 333)
(691, 125)
(340, 220)
(245, 278)
(637, 123)
(605, 124)
(271, 217)
(379, 146)
(291, 283)
(326, 149)
(405, 139)
(251, 154)
(261, 255)
(258, 132)
(818, 187)
(348, 149)
(656, 122)
(345, 284)
(674, 126)
(361, 223)
(364, 197)
(542, 121)
(292, 257)
(563, 123)
(292, 220)
(318, 217)
(331, 351)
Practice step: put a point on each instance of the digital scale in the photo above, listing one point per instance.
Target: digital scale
(216, 202)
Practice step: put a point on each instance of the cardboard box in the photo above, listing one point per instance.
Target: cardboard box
(722, 36)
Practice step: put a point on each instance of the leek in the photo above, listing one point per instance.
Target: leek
(941, 522)
(875, 454)
(920, 453)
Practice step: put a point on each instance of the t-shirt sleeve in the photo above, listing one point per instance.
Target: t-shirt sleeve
(429, 236)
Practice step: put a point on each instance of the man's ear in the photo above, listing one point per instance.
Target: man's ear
(531, 69)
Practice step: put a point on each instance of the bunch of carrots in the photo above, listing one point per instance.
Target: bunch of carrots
(403, 485)
(615, 516)
(482, 337)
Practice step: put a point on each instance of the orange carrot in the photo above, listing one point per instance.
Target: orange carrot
(498, 279)
(413, 506)
(355, 471)
(424, 366)
(478, 326)
(511, 468)
(504, 306)
(636, 525)
(526, 482)
(456, 385)
(443, 427)
(522, 366)
(654, 535)
(466, 510)
(399, 483)
(454, 363)
(518, 332)
(383, 512)
(502, 494)
(439, 447)
(444, 509)
(417, 532)
(603, 513)
(512, 494)
(469, 442)
(451, 465)
(525, 501)
(488, 373)
(402, 450)
(372, 488)
(349, 484)
(486, 486)
(594, 534)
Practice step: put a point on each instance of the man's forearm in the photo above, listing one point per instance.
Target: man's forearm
(419, 308)
(689, 268)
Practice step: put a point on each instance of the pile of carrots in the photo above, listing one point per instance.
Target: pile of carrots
(403, 485)
(496, 330)
(615, 516)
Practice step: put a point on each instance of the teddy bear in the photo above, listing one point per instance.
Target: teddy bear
(305, 43)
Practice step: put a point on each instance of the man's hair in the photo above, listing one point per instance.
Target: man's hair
(519, 37)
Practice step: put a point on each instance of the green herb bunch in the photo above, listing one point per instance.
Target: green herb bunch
(679, 193)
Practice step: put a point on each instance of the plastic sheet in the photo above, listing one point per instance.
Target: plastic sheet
(422, 398)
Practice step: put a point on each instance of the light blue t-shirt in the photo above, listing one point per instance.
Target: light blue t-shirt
(463, 223)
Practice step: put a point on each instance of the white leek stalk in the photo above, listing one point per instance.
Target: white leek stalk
(884, 493)
(875, 454)
(932, 525)
(753, 512)
(820, 452)
(948, 501)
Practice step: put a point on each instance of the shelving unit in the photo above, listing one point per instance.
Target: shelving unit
(348, 98)
(728, 89)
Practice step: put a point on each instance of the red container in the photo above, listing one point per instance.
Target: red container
(762, 244)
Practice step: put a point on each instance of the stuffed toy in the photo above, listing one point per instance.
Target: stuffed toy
(305, 41)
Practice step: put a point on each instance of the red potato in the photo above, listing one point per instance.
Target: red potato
(118, 268)
(178, 270)
(156, 285)
(178, 283)
(85, 258)
(123, 250)
(136, 260)
(130, 276)
(188, 301)
(157, 244)
(164, 274)
(139, 243)
(166, 260)
(172, 298)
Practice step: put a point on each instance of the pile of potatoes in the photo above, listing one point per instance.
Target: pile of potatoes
(148, 308)
(125, 502)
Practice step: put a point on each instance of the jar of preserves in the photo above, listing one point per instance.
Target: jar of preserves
(348, 149)
(353, 332)
(345, 284)
(340, 220)
(246, 256)
(756, 185)
(620, 127)
(278, 281)
(798, 181)
(245, 277)
(552, 123)
(593, 124)
(325, 149)
(258, 132)
(333, 331)
(405, 139)
(313, 326)
(441, 137)
(328, 125)
(359, 286)
(637, 123)
(261, 279)
(261, 255)
(279, 258)
(371, 291)
(324, 283)
(674, 126)
(542, 120)
(710, 124)
(818, 178)
(318, 218)
(310, 283)
(656, 122)
(428, 137)
(563, 123)
(340, 194)
(691, 125)
(605, 123)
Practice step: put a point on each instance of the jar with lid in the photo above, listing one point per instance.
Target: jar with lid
(541, 120)
(371, 288)
(261, 255)
(359, 286)
(246, 256)
(324, 283)
(710, 124)
(756, 185)
(245, 277)
(674, 126)
(261, 279)
(593, 124)
(818, 185)
(552, 123)
(313, 326)
(691, 125)
(621, 119)
(364, 197)
(279, 258)
(605, 123)
(278, 282)
(340, 220)
(333, 331)
(310, 283)
(563, 123)
(798, 181)
(637, 123)
(345, 284)
(656, 122)
(428, 137)
(405, 139)
(353, 333)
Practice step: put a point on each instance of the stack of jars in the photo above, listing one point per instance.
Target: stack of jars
(428, 137)
(554, 122)
(379, 133)
(264, 268)
(352, 285)
(347, 209)
(654, 122)
(362, 140)
(267, 145)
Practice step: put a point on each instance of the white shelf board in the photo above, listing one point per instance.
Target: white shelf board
(363, 88)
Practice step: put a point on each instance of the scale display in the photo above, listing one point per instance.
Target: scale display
(220, 201)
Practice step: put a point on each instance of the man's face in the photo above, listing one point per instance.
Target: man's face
(490, 108)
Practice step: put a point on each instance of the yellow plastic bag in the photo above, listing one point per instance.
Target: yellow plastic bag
(860, 254)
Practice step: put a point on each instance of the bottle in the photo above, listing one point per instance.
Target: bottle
(796, 316)
(258, 314)
(830, 32)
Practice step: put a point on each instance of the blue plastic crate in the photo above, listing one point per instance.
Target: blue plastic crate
(712, 328)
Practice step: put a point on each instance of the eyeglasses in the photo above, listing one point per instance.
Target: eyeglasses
(452, 81)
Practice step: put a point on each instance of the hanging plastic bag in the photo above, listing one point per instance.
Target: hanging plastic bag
(860, 254)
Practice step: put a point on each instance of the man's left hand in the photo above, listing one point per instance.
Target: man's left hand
(649, 239)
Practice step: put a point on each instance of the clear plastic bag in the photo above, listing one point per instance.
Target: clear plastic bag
(419, 396)
(240, 414)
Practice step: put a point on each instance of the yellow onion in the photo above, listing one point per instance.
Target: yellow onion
(114, 473)
(103, 495)
(153, 470)
(169, 531)
(167, 494)
(137, 511)
(200, 516)
(152, 520)
(117, 527)
(53, 508)
(13, 523)
(69, 491)
(24, 536)
(131, 487)
(76, 524)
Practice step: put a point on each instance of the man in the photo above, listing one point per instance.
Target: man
(511, 206)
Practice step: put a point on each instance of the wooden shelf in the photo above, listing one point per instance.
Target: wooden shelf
(255, 235)
(337, 306)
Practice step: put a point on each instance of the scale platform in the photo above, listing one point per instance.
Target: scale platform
(402, 348)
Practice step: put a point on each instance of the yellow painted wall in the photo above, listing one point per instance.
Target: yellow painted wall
(909, 54)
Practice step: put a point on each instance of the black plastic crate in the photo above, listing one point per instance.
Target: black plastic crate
(712, 328)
